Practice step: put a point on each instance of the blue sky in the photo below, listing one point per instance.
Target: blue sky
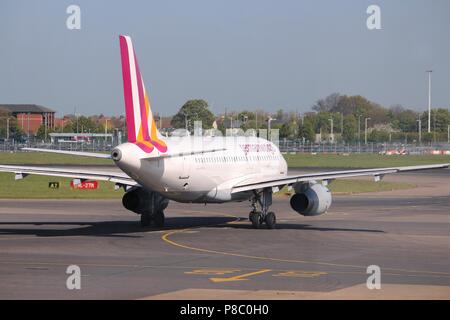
(235, 54)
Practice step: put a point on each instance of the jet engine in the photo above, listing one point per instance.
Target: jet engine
(311, 199)
(141, 201)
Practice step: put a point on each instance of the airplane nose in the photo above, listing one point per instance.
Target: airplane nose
(116, 154)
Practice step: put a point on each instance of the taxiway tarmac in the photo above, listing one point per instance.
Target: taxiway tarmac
(212, 252)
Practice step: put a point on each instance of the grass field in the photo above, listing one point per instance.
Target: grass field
(48, 158)
(36, 187)
(349, 186)
(307, 160)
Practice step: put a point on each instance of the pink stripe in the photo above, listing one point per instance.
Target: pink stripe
(161, 148)
(127, 89)
(144, 147)
(144, 116)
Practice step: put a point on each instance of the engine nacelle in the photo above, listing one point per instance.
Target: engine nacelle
(311, 199)
(140, 200)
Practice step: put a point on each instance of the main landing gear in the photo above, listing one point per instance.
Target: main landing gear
(154, 213)
(263, 200)
(148, 204)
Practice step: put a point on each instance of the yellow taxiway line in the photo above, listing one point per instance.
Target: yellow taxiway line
(239, 277)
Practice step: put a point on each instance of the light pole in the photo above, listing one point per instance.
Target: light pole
(185, 121)
(420, 131)
(106, 129)
(7, 128)
(331, 131)
(45, 126)
(448, 133)
(359, 128)
(268, 126)
(28, 129)
(365, 130)
(429, 99)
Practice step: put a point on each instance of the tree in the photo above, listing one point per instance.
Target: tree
(15, 132)
(322, 122)
(279, 115)
(289, 130)
(355, 105)
(306, 130)
(440, 119)
(378, 136)
(405, 120)
(247, 119)
(350, 128)
(85, 124)
(193, 110)
(358, 105)
(41, 133)
(328, 104)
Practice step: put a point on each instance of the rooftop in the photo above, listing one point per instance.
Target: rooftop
(25, 108)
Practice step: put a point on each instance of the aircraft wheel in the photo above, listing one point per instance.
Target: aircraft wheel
(271, 220)
(255, 218)
(158, 219)
(146, 220)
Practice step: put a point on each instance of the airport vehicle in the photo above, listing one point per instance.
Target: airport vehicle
(198, 169)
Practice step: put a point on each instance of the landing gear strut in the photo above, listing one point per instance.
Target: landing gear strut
(263, 200)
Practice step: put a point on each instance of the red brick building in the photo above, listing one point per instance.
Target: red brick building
(30, 116)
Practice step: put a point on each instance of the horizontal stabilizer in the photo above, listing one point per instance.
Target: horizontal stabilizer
(73, 153)
(183, 154)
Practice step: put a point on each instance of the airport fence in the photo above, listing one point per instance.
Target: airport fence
(93, 146)
(296, 146)
(286, 146)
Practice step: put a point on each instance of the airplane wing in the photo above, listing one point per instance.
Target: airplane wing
(261, 183)
(81, 174)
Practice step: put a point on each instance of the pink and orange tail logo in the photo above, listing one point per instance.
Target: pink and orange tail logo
(141, 126)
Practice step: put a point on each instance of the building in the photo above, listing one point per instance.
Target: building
(90, 139)
(30, 116)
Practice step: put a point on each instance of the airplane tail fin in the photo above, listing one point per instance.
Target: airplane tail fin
(141, 125)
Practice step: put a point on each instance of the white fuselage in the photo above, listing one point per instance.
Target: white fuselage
(202, 177)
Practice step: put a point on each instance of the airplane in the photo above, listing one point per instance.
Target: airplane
(196, 169)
